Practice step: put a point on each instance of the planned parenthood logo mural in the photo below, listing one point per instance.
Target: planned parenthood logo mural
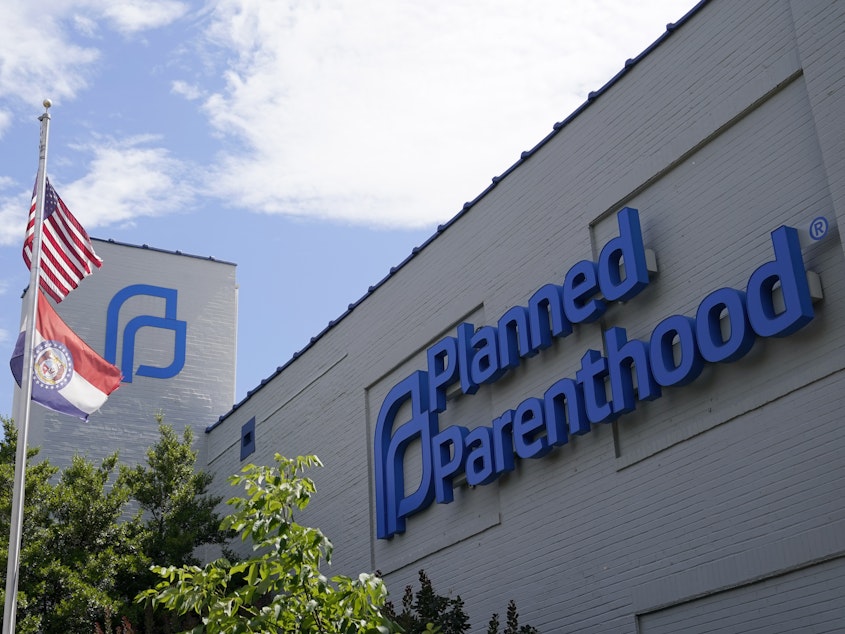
(168, 321)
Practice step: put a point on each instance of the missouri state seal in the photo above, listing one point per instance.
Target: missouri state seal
(53, 366)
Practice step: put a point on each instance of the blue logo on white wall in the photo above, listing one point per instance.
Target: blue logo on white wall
(776, 302)
(167, 322)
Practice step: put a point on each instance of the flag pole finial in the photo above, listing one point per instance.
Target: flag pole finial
(46, 116)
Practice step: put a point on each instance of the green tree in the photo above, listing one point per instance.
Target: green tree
(179, 514)
(176, 513)
(72, 545)
(87, 548)
(36, 520)
(280, 587)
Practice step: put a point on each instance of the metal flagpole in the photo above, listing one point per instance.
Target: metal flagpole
(24, 405)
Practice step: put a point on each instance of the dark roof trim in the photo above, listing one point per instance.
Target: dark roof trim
(157, 250)
(591, 97)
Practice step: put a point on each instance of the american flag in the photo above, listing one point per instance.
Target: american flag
(66, 250)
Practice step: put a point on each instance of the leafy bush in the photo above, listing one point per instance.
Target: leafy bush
(280, 588)
(427, 611)
(512, 624)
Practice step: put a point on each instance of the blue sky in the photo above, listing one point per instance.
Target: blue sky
(314, 144)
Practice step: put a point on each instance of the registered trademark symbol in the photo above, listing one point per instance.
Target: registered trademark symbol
(819, 227)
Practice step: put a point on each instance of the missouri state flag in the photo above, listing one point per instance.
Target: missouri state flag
(67, 375)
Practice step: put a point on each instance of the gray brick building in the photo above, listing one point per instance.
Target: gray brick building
(626, 421)
(169, 321)
(700, 489)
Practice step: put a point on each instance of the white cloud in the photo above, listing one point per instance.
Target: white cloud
(383, 112)
(41, 59)
(396, 112)
(14, 207)
(191, 92)
(5, 121)
(131, 16)
(85, 25)
(38, 60)
(127, 178)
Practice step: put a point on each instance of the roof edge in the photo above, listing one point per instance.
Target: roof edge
(158, 250)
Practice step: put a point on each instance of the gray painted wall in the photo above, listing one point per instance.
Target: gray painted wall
(720, 502)
(206, 300)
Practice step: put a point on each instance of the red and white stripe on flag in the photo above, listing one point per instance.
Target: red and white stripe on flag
(67, 254)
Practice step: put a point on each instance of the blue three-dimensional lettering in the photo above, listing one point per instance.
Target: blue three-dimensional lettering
(674, 355)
